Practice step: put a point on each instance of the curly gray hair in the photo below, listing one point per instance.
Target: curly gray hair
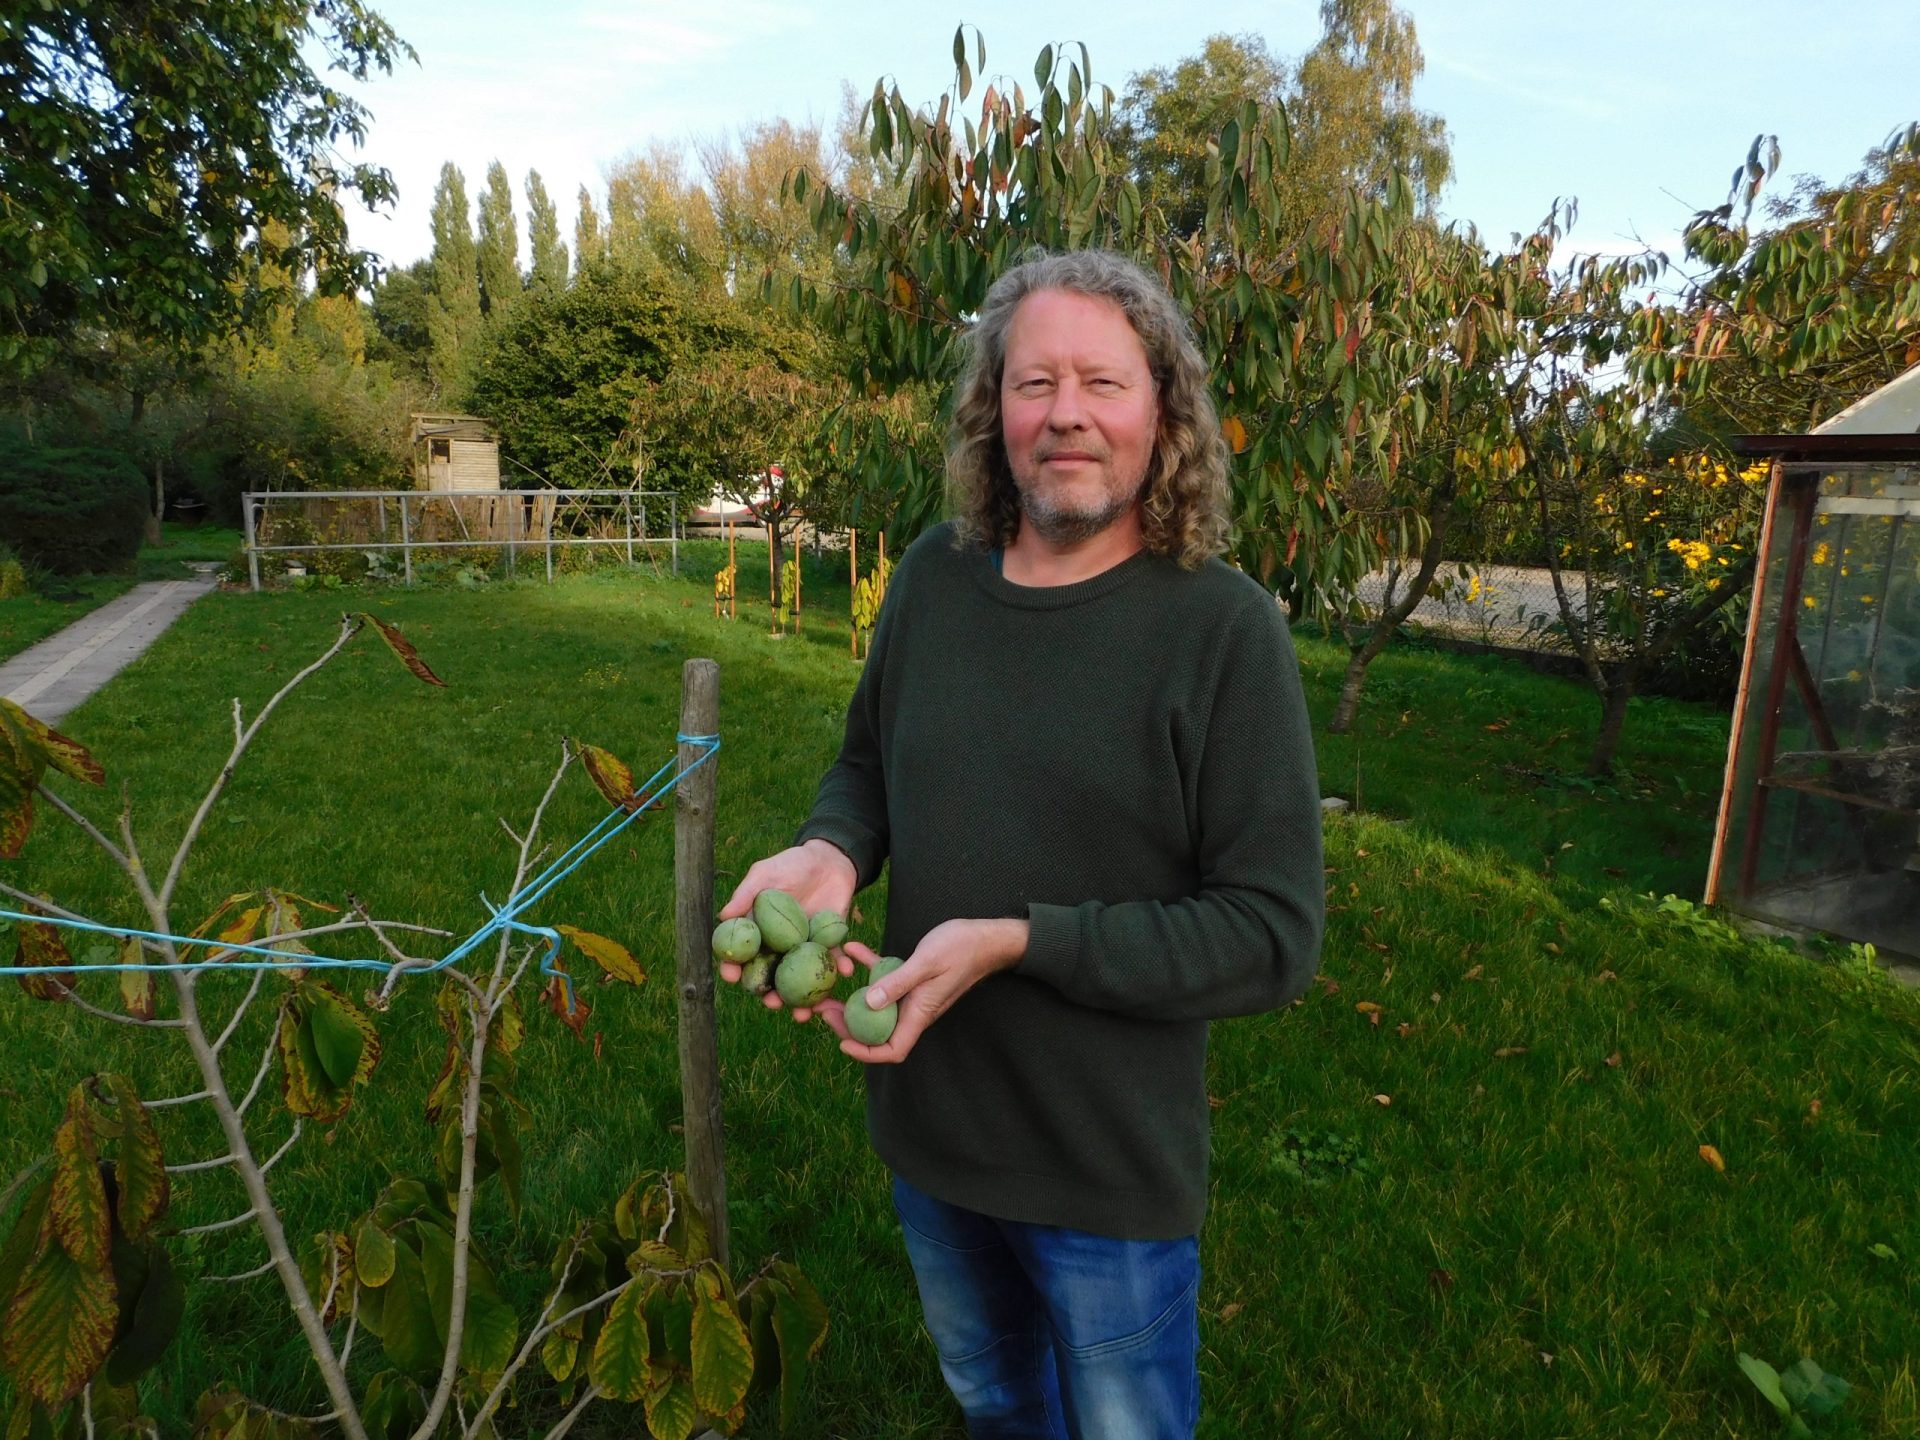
(1184, 504)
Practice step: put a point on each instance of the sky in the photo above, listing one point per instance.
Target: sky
(1639, 109)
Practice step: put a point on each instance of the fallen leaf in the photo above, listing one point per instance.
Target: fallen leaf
(1404, 1028)
(1813, 1109)
(1474, 973)
(1507, 1052)
(1229, 1310)
(1605, 975)
(1440, 1279)
(1712, 1157)
(1546, 1360)
(1367, 1007)
(1553, 947)
(1383, 1099)
(1215, 1102)
(1362, 854)
(1614, 1060)
(1435, 997)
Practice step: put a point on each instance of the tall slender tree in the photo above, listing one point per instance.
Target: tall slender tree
(589, 235)
(497, 256)
(549, 274)
(453, 320)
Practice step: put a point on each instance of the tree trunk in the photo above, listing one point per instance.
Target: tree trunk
(159, 500)
(1391, 619)
(774, 559)
(1613, 718)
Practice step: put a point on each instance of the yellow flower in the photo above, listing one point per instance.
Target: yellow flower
(1822, 553)
(1866, 599)
(1808, 601)
(1660, 594)
(1853, 675)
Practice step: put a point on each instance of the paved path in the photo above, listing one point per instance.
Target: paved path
(57, 674)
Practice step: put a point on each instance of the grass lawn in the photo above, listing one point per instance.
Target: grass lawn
(26, 620)
(1479, 1209)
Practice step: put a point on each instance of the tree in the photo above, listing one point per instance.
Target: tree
(549, 272)
(1353, 112)
(589, 235)
(1348, 102)
(141, 154)
(400, 309)
(497, 254)
(757, 227)
(1169, 115)
(656, 215)
(559, 378)
(454, 320)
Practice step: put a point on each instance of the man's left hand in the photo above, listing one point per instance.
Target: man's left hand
(953, 957)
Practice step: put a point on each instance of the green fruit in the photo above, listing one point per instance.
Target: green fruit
(884, 966)
(736, 941)
(806, 975)
(756, 976)
(827, 928)
(783, 924)
(867, 1025)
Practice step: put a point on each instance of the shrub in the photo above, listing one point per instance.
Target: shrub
(13, 575)
(73, 511)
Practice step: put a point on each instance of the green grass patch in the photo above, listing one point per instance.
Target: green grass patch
(1524, 1240)
(26, 620)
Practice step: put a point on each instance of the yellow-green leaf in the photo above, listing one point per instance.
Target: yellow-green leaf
(611, 776)
(670, 1406)
(402, 647)
(621, 1354)
(373, 1254)
(560, 1354)
(140, 1166)
(610, 955)
(64, 754)
(341, 1034)
(60, 1325)
(79, 1214)
(40, 946)
(722, 1351)
(138, 991)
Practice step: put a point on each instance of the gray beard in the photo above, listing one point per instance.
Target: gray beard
(1060, 526)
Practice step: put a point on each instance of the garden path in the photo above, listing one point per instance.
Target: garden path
(54, 676)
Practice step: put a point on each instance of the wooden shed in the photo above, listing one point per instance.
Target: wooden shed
(455, 452)
(1819, 825)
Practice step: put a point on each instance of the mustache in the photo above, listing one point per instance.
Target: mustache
(1047, 452)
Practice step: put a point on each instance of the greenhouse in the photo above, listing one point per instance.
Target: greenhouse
(1819, 826)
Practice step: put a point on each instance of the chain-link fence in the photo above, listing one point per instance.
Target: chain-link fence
(1509, 606)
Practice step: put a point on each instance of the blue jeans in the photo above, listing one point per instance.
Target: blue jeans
(1047, 1333)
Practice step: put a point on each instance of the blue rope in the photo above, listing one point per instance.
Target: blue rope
(502, 917)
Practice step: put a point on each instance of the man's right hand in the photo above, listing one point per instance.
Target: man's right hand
(817, 874)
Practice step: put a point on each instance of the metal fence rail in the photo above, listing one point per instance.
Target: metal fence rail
(1508, 606)
(308, 522)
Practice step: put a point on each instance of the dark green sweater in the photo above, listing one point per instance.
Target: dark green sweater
(1126, 763)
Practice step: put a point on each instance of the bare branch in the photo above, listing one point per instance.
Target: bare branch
(587, 1397)
(286, 1145)
(188, 1167)
(266, 1064)
(114, 1015)
(239, 1012)
(232, 1222)
(348, 627)
(45, 905)
(253, 1274)
(178, 1100)
(20, 1180)
(113, 851)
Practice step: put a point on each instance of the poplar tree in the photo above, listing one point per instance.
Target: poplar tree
(589, 236)
(497, 255)
(549, 273)
(453, 319)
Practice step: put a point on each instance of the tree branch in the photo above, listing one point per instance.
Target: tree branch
(348, 628)
(113, 851)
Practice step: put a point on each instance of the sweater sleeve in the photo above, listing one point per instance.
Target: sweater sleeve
(850, 808)
(1249, 939)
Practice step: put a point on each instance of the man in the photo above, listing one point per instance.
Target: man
(1081, 744)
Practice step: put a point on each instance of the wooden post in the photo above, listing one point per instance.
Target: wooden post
(253, 555)
(796, 582)
(693, 831)
(406, 540)
(853, 584)
(733, 569)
